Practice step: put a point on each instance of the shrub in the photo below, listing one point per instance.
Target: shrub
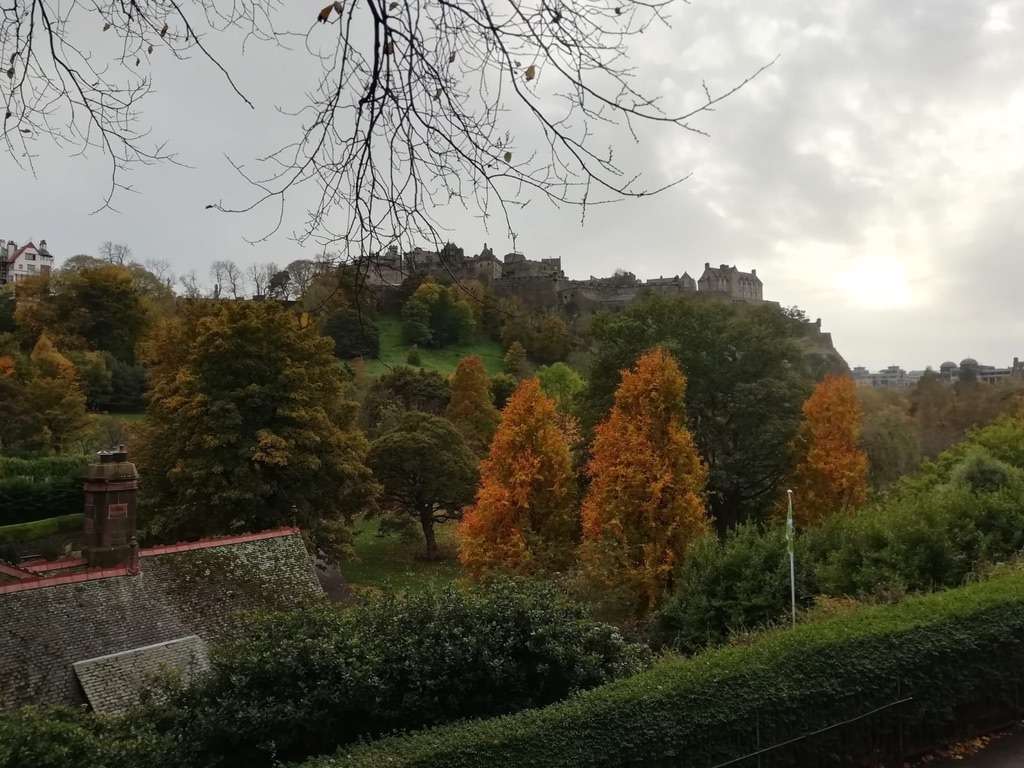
(354, 334)
(502, 387)
(36, 489)
(956, 655)
(302, 683)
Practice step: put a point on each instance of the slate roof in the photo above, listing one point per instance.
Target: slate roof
(50, 623)
(115, 682)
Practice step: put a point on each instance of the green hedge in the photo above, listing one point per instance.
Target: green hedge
(36, 489)
(40, 529)
(958, 653)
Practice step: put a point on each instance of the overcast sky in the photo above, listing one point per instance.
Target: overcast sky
(874, 175)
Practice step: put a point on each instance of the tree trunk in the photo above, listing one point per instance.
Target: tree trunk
(427, 522)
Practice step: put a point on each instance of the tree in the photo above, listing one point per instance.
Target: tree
(471, 408)
(260, 276)
(227, 279)
(545, 336)
(249, 428)
(502, 387)
(409, 109)
(425, 470)
(437, 316)
(561, 383)
(645, 504)
(190, 285)
(277, 287)
(747, 378)
(404, 389)
(515, 360)
(301, 273)
(888, 436)
(354, 334)
(115, 253)
(831, 475)
(523, 517)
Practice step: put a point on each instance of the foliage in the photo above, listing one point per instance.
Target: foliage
(888, 437)
(502, 387)
(301, 683)
(40, 529)
(746, 380)
(354, 334)
(561, 383)
(390, 558)
(831, 474)
(955, 655)
(404, 389)
(545, 336)
(249, 428)
(393, 352)
(413, 358)
(471, 408)
(515, 360)
(61, 737)
(425, 470)
(645, 505)
(730, 584)
(523, 517)
(437, 316)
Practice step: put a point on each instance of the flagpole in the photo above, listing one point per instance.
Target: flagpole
(790, 536)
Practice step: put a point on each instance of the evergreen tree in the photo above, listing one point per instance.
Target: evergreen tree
(523, 516)
(645, 504)
(515, 360)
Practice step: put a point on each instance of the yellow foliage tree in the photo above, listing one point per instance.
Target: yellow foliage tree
(471, 408)
(832, 471)
(645, 505)
(523, 518)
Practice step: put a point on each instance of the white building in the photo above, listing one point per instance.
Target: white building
(17, 263)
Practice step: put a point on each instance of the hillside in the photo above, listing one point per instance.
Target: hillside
(393, 352)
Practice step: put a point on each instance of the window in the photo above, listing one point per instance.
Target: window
(29, 256)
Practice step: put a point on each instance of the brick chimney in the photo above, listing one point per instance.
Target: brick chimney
(111, 487)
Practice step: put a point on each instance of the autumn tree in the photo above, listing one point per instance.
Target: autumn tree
(515, 360)
(471, 408)
(523, 517)
(645, 504)
(250, 428)
(425, 470)
(832, 472)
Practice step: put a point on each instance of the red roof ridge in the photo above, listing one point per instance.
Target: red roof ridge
(16, 572)
(216, 541)
(53, 565)
(69, 578)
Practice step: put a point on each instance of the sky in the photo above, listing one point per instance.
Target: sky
(873, 175)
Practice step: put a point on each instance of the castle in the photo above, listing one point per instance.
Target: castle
(542, 284)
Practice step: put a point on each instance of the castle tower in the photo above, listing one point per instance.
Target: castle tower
(111, 488)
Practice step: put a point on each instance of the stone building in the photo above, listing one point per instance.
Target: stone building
(95, 627)
(729, 281)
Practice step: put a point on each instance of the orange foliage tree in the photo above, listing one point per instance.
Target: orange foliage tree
(832, 471)
(645, 505)
(524, 516)
(471, 408)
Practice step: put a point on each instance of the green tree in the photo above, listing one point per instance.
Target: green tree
(437, 316)
(404, 389)
(746, 381)
(545, 336)
(425, 470)
(561, 383)
(515, 360)
(249, 428)
(471, 408)
(354, 334)
(888, 437)
(502, 387)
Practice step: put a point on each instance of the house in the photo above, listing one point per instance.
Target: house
(17, 263)
(94, 628)
(731, 282)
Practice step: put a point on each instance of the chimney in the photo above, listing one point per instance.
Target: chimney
(753, 272)
(111, 487)
(707, 265)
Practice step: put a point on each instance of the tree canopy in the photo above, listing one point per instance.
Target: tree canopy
(471, 408)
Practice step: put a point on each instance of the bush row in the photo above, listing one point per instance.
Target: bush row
(956, 654)
(43, 468)
(943, 527)
(36, 489)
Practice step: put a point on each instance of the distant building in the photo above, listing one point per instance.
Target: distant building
(727, 280)
(895, 377)
(19, 262)
(95, 628)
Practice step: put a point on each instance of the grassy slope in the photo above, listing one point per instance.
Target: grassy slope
(391, 562)
(393, 352)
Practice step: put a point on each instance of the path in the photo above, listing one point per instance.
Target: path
(1006, 752)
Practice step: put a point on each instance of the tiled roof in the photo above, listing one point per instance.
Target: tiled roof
(114, 683)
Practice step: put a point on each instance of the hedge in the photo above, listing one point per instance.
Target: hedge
(40, 529)
(36, 489)
(958, 654)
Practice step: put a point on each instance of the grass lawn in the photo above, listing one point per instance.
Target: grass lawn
(392, 562)
(444, 361)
